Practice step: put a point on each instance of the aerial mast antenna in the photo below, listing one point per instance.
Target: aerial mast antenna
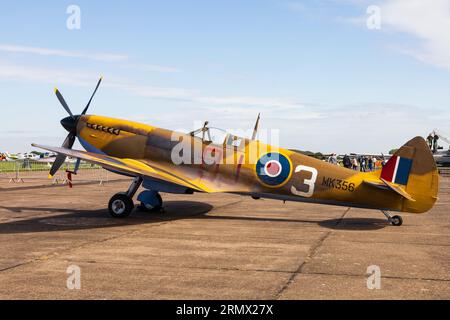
(255, 130)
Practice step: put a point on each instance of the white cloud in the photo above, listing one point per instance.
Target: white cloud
(428, 21)
(96, 56)
(44, 75)
(80, 78)
(153, 91)
(251, 101)
(362, 127)
(106, 57)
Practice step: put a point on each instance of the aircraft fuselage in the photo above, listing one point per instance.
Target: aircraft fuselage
(302, 178)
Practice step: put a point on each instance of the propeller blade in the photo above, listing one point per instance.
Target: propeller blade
(63, 102)
(93, 94)
(59, 161)
(70, 140)
(61, 158)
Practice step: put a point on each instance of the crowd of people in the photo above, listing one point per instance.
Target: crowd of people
(361, 163)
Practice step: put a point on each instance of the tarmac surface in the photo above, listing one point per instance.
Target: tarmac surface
(214, 247)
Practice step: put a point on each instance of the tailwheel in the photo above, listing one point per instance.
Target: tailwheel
(120, 205)
(396, 221)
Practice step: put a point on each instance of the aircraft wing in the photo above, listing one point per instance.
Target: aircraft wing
(126, 166)
(192, 178)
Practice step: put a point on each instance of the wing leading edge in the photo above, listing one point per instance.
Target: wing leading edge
(126, 166)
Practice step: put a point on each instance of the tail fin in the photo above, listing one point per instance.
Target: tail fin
(413, 167)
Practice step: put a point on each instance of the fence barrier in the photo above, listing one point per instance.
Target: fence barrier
(32, 170)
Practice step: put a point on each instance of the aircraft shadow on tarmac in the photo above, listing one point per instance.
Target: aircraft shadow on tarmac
(356, 224)
(75, 219)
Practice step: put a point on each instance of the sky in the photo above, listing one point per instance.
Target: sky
(326, 75)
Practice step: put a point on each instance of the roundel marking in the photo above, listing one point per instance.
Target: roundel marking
(273, 169)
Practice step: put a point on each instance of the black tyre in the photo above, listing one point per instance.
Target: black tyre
(150, 208)
(120, 206)
(396, 221)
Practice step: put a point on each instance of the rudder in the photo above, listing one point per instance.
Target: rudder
(413, 167)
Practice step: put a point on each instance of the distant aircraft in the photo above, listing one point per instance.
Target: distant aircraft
(21, 156)
(162, 160)
(442, 157)
(11, 157)
(44, 157)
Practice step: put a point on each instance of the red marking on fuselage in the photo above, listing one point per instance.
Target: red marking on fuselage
(215, 154)
(238, 168)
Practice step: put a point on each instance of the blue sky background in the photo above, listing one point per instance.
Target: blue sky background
(312, 68)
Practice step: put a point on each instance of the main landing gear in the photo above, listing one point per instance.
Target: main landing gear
(394, 220)
(121, 204)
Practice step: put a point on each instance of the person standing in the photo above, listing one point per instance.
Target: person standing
(370, 163)
(333, 159)
(430, 140)
(435, 144)
(347, 162)
(362, 164)
(355, 164)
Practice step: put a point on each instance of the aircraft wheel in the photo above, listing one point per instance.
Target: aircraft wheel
(396, 221)
(155, 205)
(120, 205)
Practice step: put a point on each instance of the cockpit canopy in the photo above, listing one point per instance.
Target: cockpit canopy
(217, 136)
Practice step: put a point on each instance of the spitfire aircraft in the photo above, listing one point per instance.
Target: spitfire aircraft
(162, 160)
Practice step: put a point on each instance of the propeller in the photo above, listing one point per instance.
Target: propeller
(70, 124)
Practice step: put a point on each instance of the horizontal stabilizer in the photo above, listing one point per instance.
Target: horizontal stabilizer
(386, 185)
(399, 190)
